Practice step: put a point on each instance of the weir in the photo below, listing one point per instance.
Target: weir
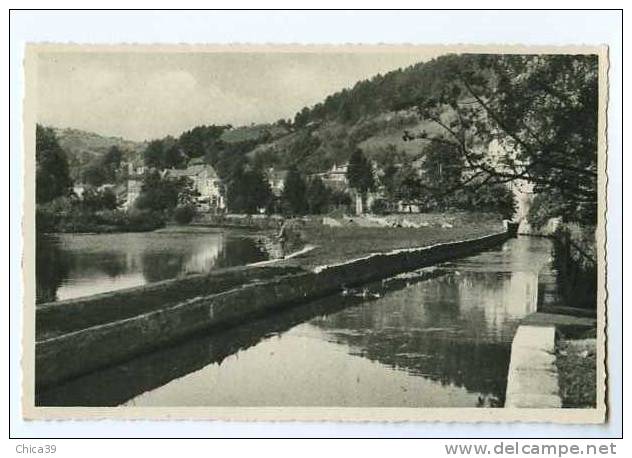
(79, 336)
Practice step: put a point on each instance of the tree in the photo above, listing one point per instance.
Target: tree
(523, 117)
(442, 168)
(406, 184)
(293, 198)
(164, 154)
(104, 169)
(94, 199)
(248, 191)
(163, 194)
(184, 214)
(318, 196)
(485, 197)
(112, 163)
(94, 174)
(201, 140)
(360, 172)
(52, 178)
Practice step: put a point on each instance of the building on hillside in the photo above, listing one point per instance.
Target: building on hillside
(78, 189)
(276, 180)
(417, 165)
(134, 185)
(135, 169)
(335, 177)
(205, 182)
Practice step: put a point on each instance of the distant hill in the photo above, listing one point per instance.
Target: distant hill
(83, 147)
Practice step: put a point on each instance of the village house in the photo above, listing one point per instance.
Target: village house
(276, 180)
(134, 185)
(335, 177)
(205, 182)
(135, 171)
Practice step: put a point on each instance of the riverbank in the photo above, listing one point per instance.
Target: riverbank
(577, 366)
(340, 244)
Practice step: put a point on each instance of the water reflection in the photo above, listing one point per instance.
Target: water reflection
(75, 265)
(403, 342)
(455, 330)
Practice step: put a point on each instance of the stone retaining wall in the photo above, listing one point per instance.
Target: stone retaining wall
(64, 356)
(56, 318)
(532, 381)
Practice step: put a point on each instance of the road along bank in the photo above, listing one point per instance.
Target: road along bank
(69, 350)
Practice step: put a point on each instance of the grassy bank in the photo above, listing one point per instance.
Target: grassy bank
(49, 220)
(577, 366)
(338, 244)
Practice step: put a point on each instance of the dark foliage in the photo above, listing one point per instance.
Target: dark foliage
(163, 194)
(248, 191)
(104, 169)
(540, 110)
(165, 154)
(360, 172)
(294, 193)
(184, 214)
(52, 175)
(94, 199)
(318, 196)
(201, 140)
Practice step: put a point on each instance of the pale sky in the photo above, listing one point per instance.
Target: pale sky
(141, 96)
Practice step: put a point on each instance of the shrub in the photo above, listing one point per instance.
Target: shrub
(574, 258)
(144, 220)
(45, 220)
(95, 199)
(379, 207)
(50, 215)
(184, 214)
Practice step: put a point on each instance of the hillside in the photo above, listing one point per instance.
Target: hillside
(84, 147)
(372, 115)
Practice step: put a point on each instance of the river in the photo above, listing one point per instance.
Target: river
(402, 342)
(76, 265)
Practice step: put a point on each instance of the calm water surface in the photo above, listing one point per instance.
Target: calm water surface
(440, 342)
(75, 265)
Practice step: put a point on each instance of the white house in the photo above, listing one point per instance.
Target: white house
(336, 177)
(134, 185)
(276, 180)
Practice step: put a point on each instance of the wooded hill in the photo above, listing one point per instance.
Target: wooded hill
(541, 110)
(83, 148)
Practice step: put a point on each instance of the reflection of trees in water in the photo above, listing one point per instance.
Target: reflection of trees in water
(114, 265)
(111, 263)
(238, 251)
(61, 261)
(52, 266)
(159, 266)
(429, 330)
(55, 265)
(449, 358)
(71, 258)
